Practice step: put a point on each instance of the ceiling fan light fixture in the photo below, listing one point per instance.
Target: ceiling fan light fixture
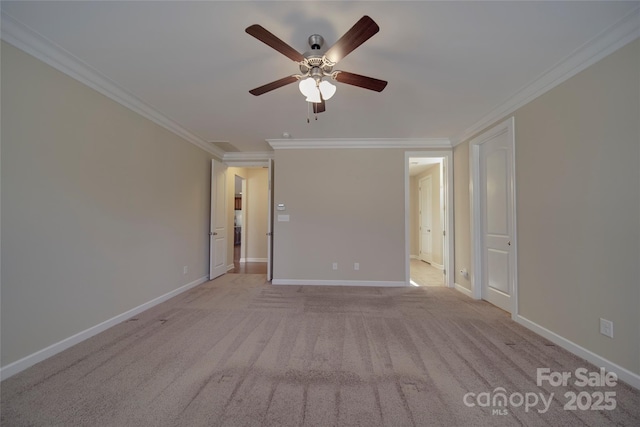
(315, 65)
(307, 86)
(309, 89)
(327, 89)
(314, 96)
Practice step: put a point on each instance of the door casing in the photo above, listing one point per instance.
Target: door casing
(268, 163)
(477, 219)
(447, 218)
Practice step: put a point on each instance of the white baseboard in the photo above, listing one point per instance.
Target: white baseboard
(30, 360)
(337, 283)
(623, 374)
(464, 290)
(432, 264)
(230, 267)
(253, 260)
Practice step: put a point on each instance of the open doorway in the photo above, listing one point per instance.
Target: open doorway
(247, 213)
(428, 219)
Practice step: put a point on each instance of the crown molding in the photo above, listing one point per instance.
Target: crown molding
(24, 38)
(624, 31)
(333, 143)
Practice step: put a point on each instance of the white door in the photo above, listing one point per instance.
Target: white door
(218, 227)
(270, 223)
(426, 242)
(496, 221)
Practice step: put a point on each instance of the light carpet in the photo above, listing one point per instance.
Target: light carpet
(237, 351)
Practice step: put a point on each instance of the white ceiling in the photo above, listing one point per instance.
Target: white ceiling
(417, 165)
(448, 64)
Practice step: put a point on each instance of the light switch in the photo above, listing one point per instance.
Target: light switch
(283, 218)
(281, 207)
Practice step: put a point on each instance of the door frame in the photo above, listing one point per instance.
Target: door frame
(242, 161)
(447, 183)
(477, 219)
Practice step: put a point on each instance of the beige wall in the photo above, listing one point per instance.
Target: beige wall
(436, 214)
(345, 206)
(257, 212)
(461, 215)
(578, 207)
(101, 208)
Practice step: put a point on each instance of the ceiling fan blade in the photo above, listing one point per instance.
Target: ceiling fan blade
(362, 31)
(269, 39)
(361, 81)
(319, 107)
(273, 85)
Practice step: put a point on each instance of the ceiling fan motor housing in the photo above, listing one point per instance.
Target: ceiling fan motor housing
(316, 41)
(315, 64)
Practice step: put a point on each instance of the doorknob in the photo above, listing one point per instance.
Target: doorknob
(509, 243)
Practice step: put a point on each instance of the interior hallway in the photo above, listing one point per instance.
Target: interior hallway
(246, 267)
(424, 274)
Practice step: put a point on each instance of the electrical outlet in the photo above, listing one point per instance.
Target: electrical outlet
(185, 269)
(335, 265)
(356, 266)
(606, 327)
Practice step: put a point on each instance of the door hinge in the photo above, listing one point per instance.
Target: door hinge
(444, 233)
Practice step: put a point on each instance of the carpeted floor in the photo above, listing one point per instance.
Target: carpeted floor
(239, 352)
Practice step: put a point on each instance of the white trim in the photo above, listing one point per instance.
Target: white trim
(623, 374)
(507, 126)
(247, 158)
(448, 250)
(22, 37)
(40, 355)
(414, 257)
(338, 283)
(333, 143)
(248, 162)
(230, 267)
(608, 41)
(462, 289)
(438, 266)
(270, 215)
(253, 260)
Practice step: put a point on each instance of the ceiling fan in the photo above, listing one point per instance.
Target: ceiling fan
(317, 64)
